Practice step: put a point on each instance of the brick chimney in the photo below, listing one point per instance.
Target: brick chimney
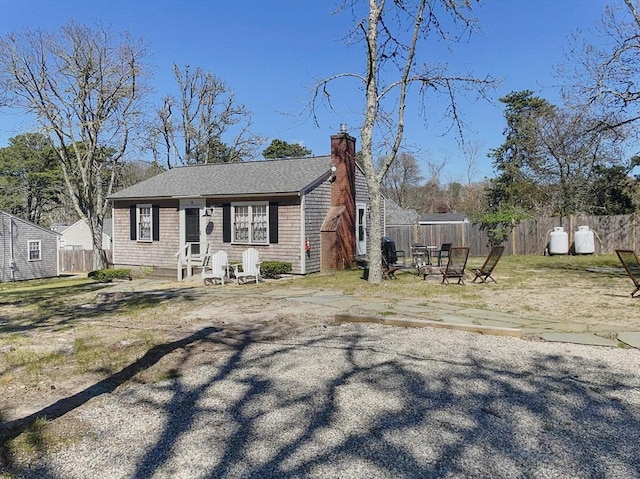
(343, 192)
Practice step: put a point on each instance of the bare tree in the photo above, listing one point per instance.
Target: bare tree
(606, 74)
(131, 172)
(196, 126)
(403, 175)
(84, 87)
(435, 169)
(474, 198)
(572, 149)
(470, 153)
(392, 32)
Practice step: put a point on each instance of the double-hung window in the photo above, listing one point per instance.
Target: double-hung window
(35, 250)
(250, 223)
(145, 223)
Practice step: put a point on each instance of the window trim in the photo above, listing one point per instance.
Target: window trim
(39, 250)
(251, 205)
(139, 238)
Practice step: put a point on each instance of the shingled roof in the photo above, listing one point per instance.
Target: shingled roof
(287, 176)
(395, 214)
(435, 218)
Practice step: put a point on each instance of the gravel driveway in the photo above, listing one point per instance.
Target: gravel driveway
(369, 401)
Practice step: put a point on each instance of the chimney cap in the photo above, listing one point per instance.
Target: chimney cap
(343, 127)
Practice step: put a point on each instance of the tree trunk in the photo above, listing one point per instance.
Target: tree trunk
(375, 231)
(99, 255)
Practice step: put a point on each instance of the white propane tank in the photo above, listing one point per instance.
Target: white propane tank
(584, 242)
(559, 241)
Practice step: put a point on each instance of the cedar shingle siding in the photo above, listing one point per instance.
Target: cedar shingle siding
(15, 234)
(159, 253)
(317, 204)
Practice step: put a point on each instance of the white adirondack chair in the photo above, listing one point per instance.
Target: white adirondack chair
(250, 266)
(215, 267)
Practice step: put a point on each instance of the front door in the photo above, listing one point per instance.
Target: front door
(192, 229)
(361, 229)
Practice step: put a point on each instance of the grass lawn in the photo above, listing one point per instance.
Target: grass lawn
(533, 273)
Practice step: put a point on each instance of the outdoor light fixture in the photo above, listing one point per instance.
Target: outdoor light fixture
(208, 212)
(333, 173)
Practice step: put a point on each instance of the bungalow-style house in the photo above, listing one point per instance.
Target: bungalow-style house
(78, 236)
(28, 251)
(311, 212)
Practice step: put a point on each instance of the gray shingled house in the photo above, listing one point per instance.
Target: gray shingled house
(311, 212)
(28, 251)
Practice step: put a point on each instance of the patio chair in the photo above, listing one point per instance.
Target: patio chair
(484, 272)
(250, 266)
(631, 264)
(388, 271)
(215, 267)
(456, 264)
(443, 252)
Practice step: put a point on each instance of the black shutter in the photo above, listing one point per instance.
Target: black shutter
(226, 223)
(133, 224)
(273, 222)
(155, 221)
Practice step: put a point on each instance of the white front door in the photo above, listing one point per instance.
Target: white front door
(361, 228)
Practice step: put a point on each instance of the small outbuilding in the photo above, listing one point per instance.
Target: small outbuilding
(28, 250)
(434, 229)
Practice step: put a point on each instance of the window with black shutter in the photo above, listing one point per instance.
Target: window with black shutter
(144, 223)
(250, 222)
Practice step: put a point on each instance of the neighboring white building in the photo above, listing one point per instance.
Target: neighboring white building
(78, 236)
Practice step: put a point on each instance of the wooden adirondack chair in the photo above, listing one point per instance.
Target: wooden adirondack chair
(456, 264)
(631, 264)
(484, 272)
(250, 266)
(215, 267)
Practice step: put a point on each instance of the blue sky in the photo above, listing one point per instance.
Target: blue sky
(271, 53)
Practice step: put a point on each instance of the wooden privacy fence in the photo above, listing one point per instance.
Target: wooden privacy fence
(78, 260)
(529, 237)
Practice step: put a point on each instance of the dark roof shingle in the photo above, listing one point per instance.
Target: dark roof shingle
(232, 179)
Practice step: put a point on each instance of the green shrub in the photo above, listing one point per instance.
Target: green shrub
(273, 269)
(108, 275)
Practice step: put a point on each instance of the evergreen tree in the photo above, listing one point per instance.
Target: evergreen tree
(30, 177)
(282, 149)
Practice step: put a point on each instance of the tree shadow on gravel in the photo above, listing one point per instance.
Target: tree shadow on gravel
(344, 402)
